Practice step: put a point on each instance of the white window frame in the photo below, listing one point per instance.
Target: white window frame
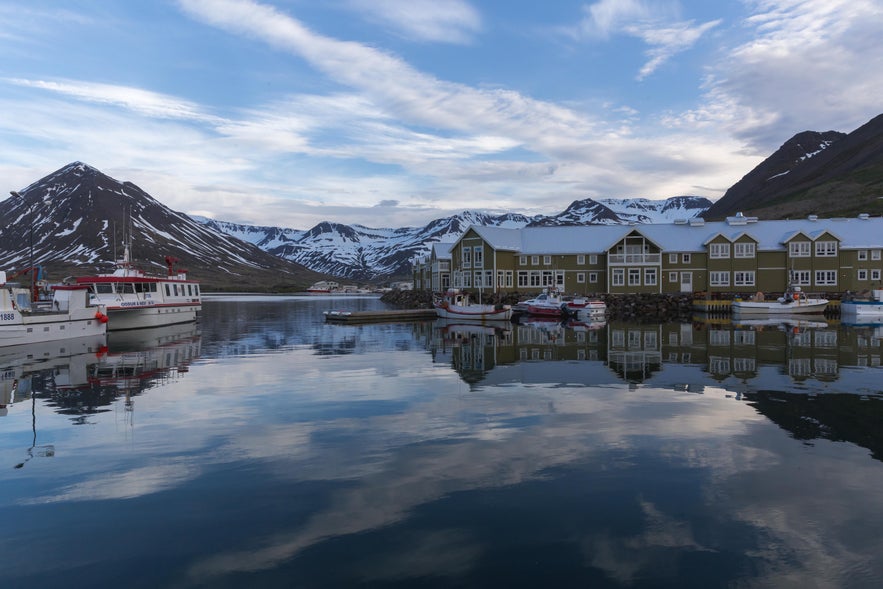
(744, 278)
(686, 258)
(523, 278)
(650, 276)
(580, 277)
(718, 250)
(593, 277)
(826, 278)
(802, 277)
(547, 260)
(745, 249)
(478, 256)
(826, 249)
(672, 258)
(535, 260)
(466, 257)
(522, 260)
(862, 255)
(875, 274)
(634, 277)
(862, 274)
(581, 259)
(617, 277)
(719, 279)
(593, 259)
(875, 254)
(799, 249)
(673, 276)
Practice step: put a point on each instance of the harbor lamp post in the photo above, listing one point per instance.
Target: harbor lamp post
(33, 276)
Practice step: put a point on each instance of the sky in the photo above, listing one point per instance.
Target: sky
(392, 113)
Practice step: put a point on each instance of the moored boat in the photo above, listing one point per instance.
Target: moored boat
(866, 305)
(324, 287)
(135, 299)
(457, 304)
(794, 301)
(68, 314)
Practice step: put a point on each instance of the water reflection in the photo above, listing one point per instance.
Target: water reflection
(297, 453)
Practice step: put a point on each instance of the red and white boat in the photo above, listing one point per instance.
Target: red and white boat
(135, 299)
(457, 305)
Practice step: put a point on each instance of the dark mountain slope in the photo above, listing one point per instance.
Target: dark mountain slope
(828, 174)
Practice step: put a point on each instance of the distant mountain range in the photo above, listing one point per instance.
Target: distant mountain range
(76, 216)
(363, 253)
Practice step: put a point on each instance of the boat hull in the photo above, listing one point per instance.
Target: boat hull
(473, 313)
(156, 316)
(810, 306)
(862, 309)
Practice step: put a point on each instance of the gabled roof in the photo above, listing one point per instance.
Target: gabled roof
(853, 233)
(442, 250)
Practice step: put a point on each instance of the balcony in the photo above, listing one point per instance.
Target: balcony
(630, 259)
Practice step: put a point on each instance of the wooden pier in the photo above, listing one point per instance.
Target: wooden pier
(391, 315)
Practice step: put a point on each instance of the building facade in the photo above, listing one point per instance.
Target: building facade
(739, 255)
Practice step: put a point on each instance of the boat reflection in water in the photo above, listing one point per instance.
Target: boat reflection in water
(84, 377)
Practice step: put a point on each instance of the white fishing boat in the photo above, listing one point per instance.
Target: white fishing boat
(135, 299)
(457, 304)
(324, 287)
(68, 314)
(865, 305)
(794, 301)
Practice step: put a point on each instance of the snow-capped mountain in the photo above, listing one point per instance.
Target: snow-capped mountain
(362, 253)
(76, 216)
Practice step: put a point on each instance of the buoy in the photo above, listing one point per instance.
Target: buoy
(101, 316)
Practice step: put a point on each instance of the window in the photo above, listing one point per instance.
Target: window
(504, 278)
(862, 255)
(719, 278)
(478, 256)
(862, 274)
(618, 277)
(580, 277)
(743, 278)
(593, 259)
(673, 276)
(650, 276)
(522, 260)
(523, 278)
(685, 258)
(719, 250)
(826, 249)
(466, 257)
(826, 277)
(798, 249)
(875, 275)
(875, 254)
(801, 277)
(535, 260)
(534, 278)
(743, 250)
(467, 277)
(104, 288)
(593, 277)
(547, 260)
(672, 258)
(634, 276)
(581, 259)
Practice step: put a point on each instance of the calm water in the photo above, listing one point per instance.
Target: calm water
(265, 448)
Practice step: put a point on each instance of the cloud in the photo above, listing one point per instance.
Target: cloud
(654, 23)
(806, 64)
(445, 21)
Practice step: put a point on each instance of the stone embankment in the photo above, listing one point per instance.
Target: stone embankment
(630, 307)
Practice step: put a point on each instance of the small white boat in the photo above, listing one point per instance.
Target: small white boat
(867, 305)
(794, 301)
(587, 309)
(324, 287)
(135, 299)
(458, 305)
(68, 314)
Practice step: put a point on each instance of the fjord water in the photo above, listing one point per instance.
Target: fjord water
(266, 448)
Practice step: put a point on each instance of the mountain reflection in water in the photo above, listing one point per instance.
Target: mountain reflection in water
(273, 449)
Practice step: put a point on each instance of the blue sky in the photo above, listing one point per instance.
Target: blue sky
(391, 113)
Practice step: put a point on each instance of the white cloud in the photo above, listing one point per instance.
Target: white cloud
(655, 23)
(447, 21)
(808, 64)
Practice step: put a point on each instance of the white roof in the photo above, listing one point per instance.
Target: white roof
(853, 233)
